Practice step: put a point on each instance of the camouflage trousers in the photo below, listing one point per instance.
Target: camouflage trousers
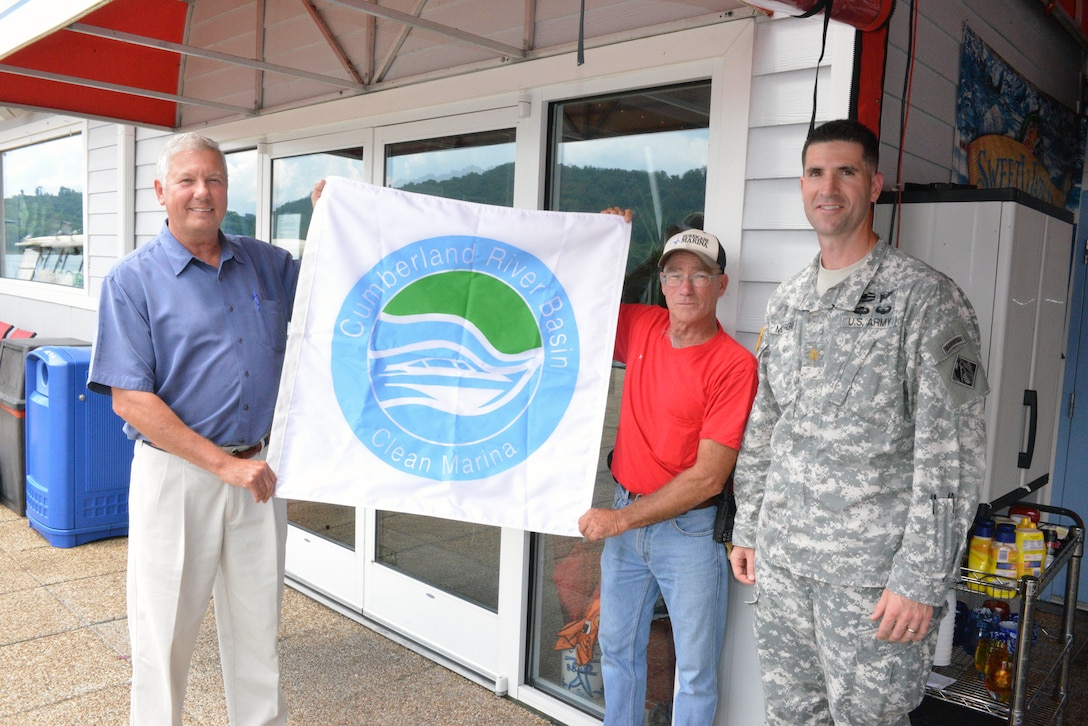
(821, 661)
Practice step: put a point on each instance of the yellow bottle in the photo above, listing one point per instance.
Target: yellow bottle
(1030, 548)
(1003, 561)
(978, 553)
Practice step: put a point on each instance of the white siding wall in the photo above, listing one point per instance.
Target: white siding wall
(149, 214)
(1020, 32)
(777, 240)
(103, 194)
(49, 319)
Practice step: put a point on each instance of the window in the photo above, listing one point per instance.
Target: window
(473, 167)
(647, 150)
(293, 180)
(241, 217)
(461, 558)
(42, 193)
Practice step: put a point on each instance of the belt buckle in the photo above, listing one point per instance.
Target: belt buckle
(250, 451)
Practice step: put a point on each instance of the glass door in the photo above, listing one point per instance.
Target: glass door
(648, 150)
(438, 579)
(321, 537)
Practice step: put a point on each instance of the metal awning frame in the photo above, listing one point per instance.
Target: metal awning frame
(130, 90)
(358, 83)
(373, 74)
(210, 55)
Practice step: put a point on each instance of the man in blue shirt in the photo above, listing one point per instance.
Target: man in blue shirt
(192, 329)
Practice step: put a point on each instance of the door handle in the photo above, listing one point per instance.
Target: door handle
(1031, 400)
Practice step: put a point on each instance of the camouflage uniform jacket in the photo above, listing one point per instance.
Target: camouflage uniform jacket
(865, 451)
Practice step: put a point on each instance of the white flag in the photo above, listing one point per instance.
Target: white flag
(449, 359)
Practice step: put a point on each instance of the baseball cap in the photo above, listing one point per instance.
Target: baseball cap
(698, 242)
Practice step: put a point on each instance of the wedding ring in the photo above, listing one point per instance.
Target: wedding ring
(912, 631)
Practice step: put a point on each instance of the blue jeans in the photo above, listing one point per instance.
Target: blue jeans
(678, 560)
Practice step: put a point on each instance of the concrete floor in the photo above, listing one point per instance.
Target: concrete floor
(64, 653)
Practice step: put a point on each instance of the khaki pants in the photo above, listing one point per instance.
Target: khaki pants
(191, 537)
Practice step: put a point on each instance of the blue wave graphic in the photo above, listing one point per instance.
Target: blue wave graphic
(446, 364)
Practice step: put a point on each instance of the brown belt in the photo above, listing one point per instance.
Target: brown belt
(251, 451)
(247, 453)
(631, 496)
(708, 503)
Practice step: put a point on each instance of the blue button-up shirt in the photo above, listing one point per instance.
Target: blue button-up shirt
(209, 342)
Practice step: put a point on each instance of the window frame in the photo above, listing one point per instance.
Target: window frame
(725, 187)
(259, 178)
(40, 132)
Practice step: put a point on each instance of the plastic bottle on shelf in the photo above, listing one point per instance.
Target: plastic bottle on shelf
(1003, 560)
(1017, 511)
(1051, 538)
(982, 652)
(999, 671)
(942, 653)
(1030, 548)
(978, 552)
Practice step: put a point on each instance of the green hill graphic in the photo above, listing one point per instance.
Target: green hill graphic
(489, 304)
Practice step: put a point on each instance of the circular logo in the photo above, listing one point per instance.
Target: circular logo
(454, 358)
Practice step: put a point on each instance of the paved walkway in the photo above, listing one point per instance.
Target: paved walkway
(64, 653)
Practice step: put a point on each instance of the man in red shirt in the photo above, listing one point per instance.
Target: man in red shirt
(687, 392)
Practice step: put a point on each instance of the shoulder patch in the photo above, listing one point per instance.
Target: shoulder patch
(965, 371)
(952, 343)
(957, 361)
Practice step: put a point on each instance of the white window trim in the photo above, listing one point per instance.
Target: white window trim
(38, 131)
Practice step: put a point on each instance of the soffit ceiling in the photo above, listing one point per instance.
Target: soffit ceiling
(192, 63)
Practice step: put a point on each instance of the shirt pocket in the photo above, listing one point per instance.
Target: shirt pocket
(945, 548)
(677, 441)
(272, 325)
(779, 356)
(867, 390)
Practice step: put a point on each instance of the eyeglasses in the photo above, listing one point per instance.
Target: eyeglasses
(698, 279)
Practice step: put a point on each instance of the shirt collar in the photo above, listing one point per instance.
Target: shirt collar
(847, 294)
(801, 293)
(180, 257)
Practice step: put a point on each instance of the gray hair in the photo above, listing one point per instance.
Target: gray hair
(186, 142)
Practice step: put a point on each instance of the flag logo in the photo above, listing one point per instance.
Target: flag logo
(449, 359)
(439, 350)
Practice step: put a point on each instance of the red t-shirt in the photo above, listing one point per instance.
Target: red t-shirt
(674, 397)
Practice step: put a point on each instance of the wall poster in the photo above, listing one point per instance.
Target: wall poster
(1011, 134)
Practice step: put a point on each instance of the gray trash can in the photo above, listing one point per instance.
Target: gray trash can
(13, 355)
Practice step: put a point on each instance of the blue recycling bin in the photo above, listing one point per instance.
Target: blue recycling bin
(77, 456)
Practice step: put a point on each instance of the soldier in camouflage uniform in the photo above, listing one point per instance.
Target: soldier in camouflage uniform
(862, 461)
